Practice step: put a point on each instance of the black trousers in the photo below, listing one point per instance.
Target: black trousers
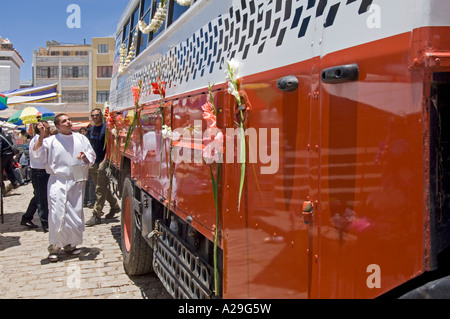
(8, 165)
(39, 179)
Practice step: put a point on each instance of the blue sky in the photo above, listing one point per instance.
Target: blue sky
(30, 23)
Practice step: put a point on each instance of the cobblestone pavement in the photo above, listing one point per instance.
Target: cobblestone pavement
(97, 272)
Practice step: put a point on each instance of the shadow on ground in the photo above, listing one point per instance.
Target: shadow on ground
(147, 283)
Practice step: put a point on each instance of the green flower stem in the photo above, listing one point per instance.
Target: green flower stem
(215, 187)
(243, 157)
(169, 196)
(162, 138)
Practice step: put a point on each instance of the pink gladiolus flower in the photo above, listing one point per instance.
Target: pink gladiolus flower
(136, 90)
(159, 87)
(208, 115)
(213, 148)
(119, 121)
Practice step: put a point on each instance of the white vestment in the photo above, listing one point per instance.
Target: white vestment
(65, 195)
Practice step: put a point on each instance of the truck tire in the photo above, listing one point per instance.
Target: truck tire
(437, 289)
(137, 254)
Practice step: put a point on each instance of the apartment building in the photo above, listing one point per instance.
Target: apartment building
(81, 71)
(102, 66)
(10, 63)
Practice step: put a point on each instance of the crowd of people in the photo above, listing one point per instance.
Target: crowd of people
(11, 157)
(68, 172)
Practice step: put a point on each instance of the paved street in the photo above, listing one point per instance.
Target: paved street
(25, 271)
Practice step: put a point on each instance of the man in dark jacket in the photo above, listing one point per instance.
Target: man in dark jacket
(98, 171)
(7, 158)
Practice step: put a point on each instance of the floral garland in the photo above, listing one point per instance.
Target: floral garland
(159, 17)
(123, 53)
(125, 59)
(154, 26)
(184, 2)
(157, 21)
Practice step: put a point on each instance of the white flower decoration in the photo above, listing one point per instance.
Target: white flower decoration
(231, 75)
(184, 2)
(156, 22)
(166, 131)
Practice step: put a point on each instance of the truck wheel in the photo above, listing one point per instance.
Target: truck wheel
(137, 254)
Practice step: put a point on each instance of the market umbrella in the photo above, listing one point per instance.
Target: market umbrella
(29, 115)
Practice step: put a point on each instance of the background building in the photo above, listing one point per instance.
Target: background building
(10, 63)
(81, 71)
(102, 65)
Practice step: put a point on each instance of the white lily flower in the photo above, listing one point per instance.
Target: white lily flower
(236, 95)
(231, 87)
(166, 131)
(233, 67)
(231, 77)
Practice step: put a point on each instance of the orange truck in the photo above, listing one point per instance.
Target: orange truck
(282, 149)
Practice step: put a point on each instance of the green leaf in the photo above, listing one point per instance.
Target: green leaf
(242, 160)
(214, 186)
(129, 133)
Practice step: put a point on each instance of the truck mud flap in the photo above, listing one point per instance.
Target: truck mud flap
(184, 275)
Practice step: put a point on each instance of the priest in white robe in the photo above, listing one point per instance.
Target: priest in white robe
(61, 152)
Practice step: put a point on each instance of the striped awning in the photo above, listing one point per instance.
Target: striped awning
(33, 94)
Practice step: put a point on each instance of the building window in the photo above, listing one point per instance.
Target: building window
(47, 72)
(104, 71)
(177, 11)
(103, 48)
(75, 96)
(102, 96)
(53, 72)
(75, 72)
(42, 72)
(81, 53)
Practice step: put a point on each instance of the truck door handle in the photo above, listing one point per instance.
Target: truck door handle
(288, 84)
(341, 74)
